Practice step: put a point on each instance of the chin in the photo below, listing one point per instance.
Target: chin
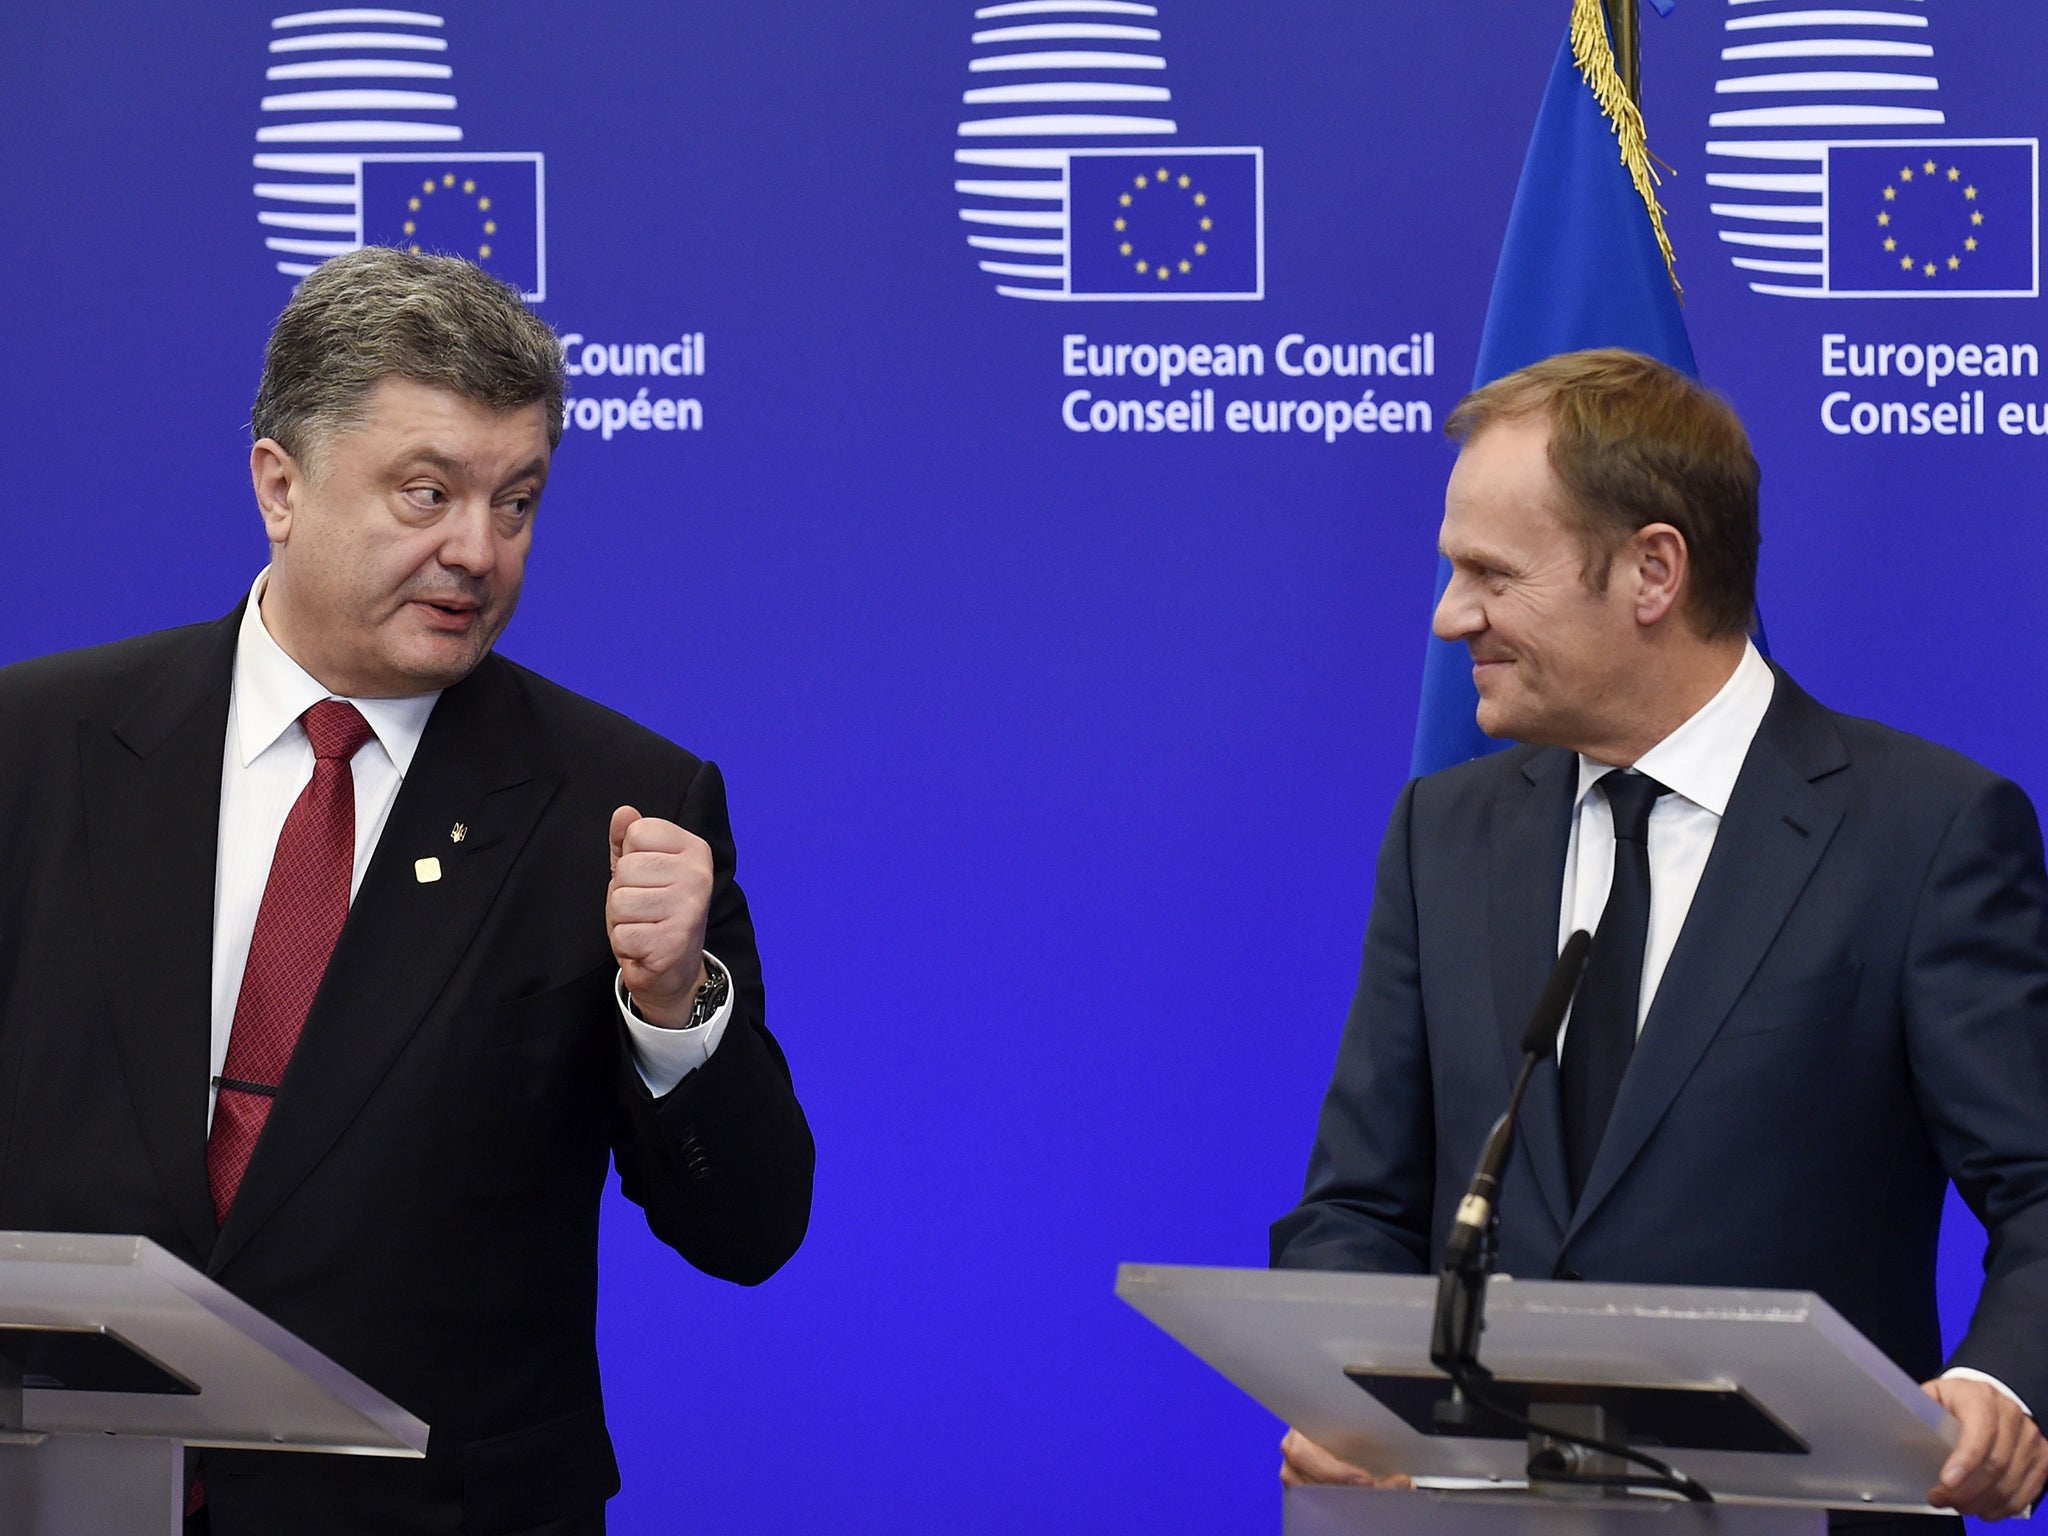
(1495, 719)
(433, 667)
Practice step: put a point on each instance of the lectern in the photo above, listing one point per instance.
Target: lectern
(114, 1356)
(1767, 1398)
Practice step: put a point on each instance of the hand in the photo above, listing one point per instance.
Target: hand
(655, 912)
(1304, 1462)
(1999, 1463)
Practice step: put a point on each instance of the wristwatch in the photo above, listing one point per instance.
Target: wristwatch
(712, 995)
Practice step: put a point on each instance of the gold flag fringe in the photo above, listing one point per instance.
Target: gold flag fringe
(1594, 54)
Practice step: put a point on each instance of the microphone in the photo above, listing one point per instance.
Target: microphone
(1468, 1257)
(1460, 1315)
(1475, 1211)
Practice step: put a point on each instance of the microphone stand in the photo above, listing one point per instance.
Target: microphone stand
(1469, 1253)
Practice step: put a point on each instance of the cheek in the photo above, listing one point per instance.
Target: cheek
(1519, 625)
(340, 565)
(511, 563)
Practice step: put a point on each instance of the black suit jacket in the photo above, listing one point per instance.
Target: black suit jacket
(1856, 1010)
(423, 1205)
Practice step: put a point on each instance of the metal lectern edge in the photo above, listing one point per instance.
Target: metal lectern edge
(1279, 1284)
(386, 1418)
(374, 1408)
(1884, 1368)
(1163, 1294)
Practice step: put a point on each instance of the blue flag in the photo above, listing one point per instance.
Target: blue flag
(1580, 267)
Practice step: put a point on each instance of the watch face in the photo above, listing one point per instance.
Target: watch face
(711, 996)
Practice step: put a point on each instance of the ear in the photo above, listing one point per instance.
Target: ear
(1659, 563)
(279, 481)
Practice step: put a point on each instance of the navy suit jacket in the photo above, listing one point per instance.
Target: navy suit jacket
(1856, 1011)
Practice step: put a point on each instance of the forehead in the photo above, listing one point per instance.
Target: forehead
(404, 418)
(1502, 491)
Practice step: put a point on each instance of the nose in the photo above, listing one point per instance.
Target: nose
(467, 543)
(1459, 613)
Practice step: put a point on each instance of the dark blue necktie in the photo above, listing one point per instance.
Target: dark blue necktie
(1602, 1033)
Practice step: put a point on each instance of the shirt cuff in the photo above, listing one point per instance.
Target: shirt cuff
(664, 1057)
(1964, 1373)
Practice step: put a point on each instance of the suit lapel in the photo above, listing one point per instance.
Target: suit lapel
(404, 935)
(152, 809)
(1528, 870)
(1779, 823)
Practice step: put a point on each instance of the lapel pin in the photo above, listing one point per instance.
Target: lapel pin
(426, 871)
(458, 832)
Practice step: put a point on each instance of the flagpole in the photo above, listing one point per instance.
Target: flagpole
(1624, 25)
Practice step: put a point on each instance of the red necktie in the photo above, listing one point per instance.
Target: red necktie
(305, 902)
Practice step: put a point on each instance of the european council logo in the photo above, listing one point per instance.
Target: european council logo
(1803, 146)
(486, 208)
(1145, 224)
(357, 144)
(1076, 184)
(1956, 218)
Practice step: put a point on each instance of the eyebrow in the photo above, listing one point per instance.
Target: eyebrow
(1492, 559)
(535, 469)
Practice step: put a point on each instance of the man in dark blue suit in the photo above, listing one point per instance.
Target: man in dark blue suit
(1819, 982)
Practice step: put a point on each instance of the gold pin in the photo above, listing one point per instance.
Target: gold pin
(457, 832)
(426, 871)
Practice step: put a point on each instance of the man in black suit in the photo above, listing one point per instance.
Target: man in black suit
(1818, 987)
(539, 959)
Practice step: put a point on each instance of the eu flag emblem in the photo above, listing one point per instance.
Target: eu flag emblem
(1932, 218)
(1165, 224)
(485, 208)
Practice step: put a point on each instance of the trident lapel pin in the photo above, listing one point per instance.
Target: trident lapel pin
(457, 832)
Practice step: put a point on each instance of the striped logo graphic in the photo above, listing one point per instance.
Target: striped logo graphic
(1811, 97)
(365, 95)
(1073, 181)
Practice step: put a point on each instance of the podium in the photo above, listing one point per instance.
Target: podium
(114, 1356)
(1767, 1398)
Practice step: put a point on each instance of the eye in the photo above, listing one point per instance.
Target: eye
(426, 496)
(516, 511)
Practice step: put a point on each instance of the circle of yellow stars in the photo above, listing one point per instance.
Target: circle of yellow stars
(429, 187)
(1908, 262)
(1165, 270)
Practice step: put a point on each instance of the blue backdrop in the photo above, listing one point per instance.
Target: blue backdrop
(1059, 748)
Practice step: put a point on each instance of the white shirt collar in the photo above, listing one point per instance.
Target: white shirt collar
(1703, 757)
(271, 692)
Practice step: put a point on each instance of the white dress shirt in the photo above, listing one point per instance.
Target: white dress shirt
(265, 763)
(1699, 763)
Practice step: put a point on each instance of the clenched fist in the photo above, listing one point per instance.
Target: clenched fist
(655, 912)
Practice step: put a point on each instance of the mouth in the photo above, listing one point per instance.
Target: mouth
(1485, 667)
(452, 615)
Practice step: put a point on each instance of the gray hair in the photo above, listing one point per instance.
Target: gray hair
(367, 315)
